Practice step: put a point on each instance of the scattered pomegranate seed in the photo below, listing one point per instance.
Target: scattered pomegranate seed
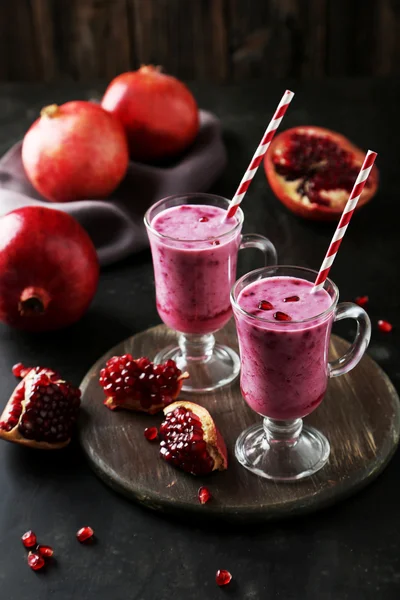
(29, 539)
(265, 305)
(84, 534)
(223, 577)
(35, 561)
(361, 300)
(291, 299)
(45, 551)
(203, 219)
(385, 326)
(151, 433)
(204, 495)
(281, 316)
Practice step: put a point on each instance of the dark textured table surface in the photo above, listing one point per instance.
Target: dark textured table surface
(350, 551)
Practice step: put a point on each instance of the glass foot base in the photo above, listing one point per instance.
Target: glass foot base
(207, 373)
(282, 460)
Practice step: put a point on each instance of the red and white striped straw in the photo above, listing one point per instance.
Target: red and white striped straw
(344, 220)
(260, 153)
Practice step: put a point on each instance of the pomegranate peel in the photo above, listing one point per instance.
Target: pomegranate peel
(312, 170)
(190, 439)
(41, 411)
(140, 385)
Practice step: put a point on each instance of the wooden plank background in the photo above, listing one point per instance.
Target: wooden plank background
(216, 40)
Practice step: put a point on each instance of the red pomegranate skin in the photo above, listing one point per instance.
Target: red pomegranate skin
(158, 112)
(48, 259)
(75, 151)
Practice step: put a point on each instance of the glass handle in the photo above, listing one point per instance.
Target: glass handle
(253, 240)
(344, 364)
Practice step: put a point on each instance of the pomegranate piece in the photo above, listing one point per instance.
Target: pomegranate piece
(281, 316)
(190, 439)
(204, 495)
(291, 299)
(84, 534)
(203, 219)
(151, 433)
(75, 151)
(223, 577)
(362, 300)
(265, 305)
(42, 411)
(312, 171)
(385, 326)
(49, 269)
(138, 384)
(45, 551)
(159, 113)
(35, 561)
(29, 539)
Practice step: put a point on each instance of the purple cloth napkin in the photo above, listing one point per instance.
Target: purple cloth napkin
(116, 224)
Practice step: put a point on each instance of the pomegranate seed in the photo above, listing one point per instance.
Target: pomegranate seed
(361, 300)
(223, 577)
(281, 316)
(265, 305)
(45, 551)
(151, 433)
(204, 495)
(216, 243)
(29, 539)
(17, 369)
(35, 561)
(385, 326)
(203, 219)
(84, 534)
(291, 299)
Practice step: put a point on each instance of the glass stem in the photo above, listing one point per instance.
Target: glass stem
(282, 432)
(196, 347)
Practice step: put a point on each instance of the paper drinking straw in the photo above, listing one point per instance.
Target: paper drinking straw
(260, 153)
(344, 220)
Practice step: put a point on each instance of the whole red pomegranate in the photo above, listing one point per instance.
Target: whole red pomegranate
(158, 112)
(48, 269)
(312, 171)
(75, 151)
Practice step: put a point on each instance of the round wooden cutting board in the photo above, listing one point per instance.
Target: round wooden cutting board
(359, 415)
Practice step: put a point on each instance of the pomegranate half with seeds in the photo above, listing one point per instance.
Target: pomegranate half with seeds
(190, 439)
(138, 384)
(312, 171)
(42, 410)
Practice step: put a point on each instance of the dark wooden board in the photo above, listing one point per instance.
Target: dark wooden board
(359, 415)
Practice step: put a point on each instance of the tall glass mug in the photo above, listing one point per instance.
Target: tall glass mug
(284, 333)
(194, 249)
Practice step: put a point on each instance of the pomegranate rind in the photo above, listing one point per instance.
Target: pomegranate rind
(14, 435)
(216, 446)
(286, 192)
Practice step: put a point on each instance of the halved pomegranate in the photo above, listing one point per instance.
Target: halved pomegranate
(42, 410)
(190, 439)
(138, 384)
(312, 171)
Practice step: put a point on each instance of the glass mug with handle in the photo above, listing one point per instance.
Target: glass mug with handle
(284, 332)
(194, 250)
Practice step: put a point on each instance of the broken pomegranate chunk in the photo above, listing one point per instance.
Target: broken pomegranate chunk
(84, 534)
(223, 577)
(29, 539)
(151, 433)
(42, 410)
(190, 439)
(385, 326)
(139, 384)
(204, 495)
(35, 561)
(312, 170)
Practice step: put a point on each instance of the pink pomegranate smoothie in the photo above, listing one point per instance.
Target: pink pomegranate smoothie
(195, 270)
(284, 363)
